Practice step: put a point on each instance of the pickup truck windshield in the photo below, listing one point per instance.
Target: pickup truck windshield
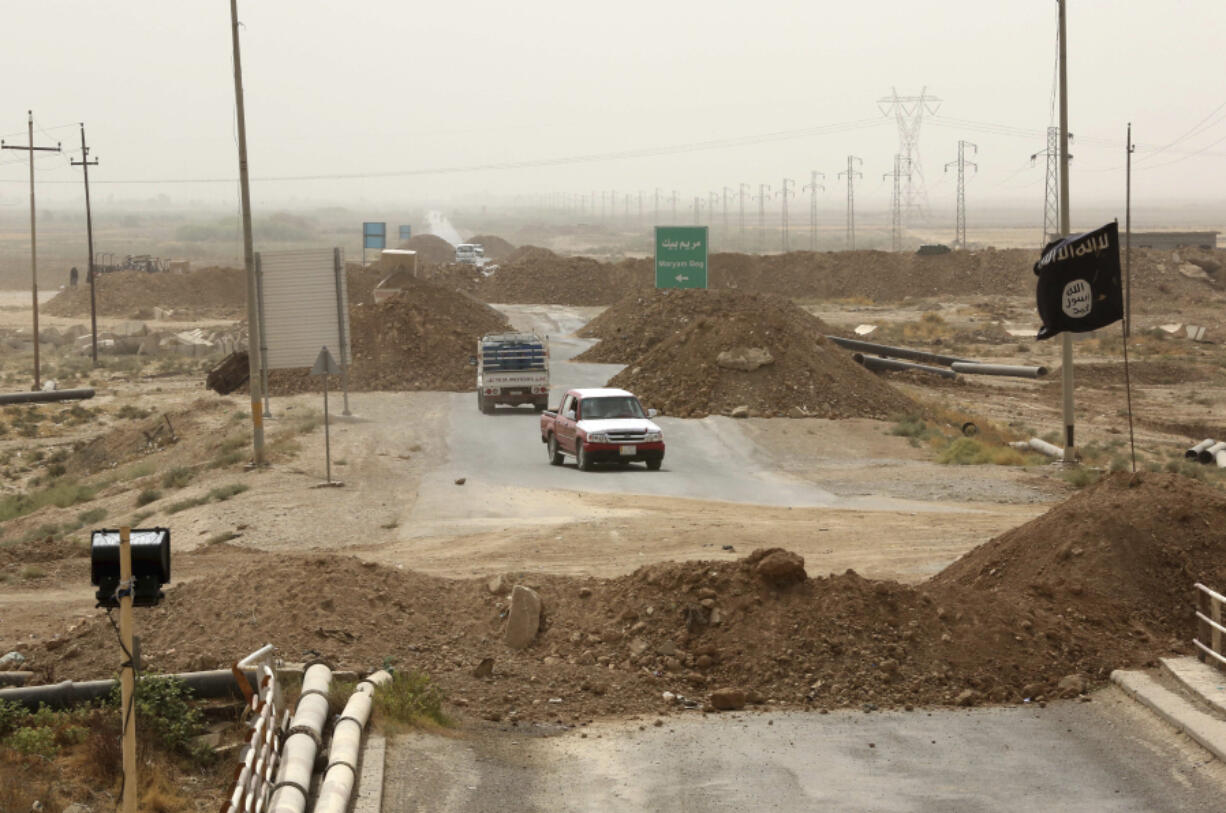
(621, 406)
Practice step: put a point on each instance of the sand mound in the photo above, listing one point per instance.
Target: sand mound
(430, 249)
(495, 247)
(756, 351)
(418, 340)
(533, 275)
(635, 324)
(207, 293)
(613, 646)
(1123, 553)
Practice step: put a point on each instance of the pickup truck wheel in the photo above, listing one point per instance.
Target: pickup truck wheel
(487, 406)
(581, 459)
(540, 407)
(654, 465)
(555, 455)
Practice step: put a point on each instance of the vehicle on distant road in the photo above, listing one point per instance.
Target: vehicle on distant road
(602, 425)
(470, 254)
(512, 369)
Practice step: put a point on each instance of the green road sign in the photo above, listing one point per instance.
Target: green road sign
(681, 256)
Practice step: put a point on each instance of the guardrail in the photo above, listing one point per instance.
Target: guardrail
(1209, 629)
(257, 767)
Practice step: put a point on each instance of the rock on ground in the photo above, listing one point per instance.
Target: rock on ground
(524, 619)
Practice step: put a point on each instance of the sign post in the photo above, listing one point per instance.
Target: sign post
(681, 256)
(127, 680)
(325, 365)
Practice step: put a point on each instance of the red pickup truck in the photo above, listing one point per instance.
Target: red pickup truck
(602, 426)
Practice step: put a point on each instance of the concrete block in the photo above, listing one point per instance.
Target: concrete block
(1181, 713)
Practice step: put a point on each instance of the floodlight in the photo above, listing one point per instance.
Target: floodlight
(150, 565)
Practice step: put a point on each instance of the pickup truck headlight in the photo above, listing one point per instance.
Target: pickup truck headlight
(653, 437)
(598, 437)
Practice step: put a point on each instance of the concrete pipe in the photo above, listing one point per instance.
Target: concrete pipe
(302, 742)
(1194, 451)
(215, 683)
(1043, 447)
(346, 748)
(45, 397)
(1014, 370)
(896, 352)
(877, 363)
(1209, 455)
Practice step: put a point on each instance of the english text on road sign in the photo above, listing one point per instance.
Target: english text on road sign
(681, 256)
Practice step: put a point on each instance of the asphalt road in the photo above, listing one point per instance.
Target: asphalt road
(501, 455)
(1093, 757)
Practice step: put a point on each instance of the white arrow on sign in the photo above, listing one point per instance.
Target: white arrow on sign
(682, 278)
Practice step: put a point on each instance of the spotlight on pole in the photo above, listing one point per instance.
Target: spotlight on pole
(150, 565)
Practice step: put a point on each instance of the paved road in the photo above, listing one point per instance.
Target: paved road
(1069, 757)
(501, 455)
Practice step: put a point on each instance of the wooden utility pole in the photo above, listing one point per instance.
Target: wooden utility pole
(85, 163)
(1128, 238)
(127, 677)
(253, 322)
(38, 384)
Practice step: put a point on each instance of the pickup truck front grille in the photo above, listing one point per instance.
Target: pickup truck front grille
(626, 436)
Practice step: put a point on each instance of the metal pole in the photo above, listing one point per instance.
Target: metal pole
(342, 336)
(253, 346)
(259, 298)
(1070, 446)
(85, 164)
(127, 675)
(34, 258)
(1128, 242)
(327, 433)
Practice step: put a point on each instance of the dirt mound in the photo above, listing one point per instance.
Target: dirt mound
(759, 352)
(132, 439)
(1155, 372)
(1123, 553)
(418, 340)
(207, 293)
(613, 646)
(635, 324)
(533, 275)
(430, 249)
(495, 247)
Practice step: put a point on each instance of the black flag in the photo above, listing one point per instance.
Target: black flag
(1079, 282)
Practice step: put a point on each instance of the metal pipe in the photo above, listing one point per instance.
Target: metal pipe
(896, 352)
(346, 748)
(1015, 370)
(1210, 454)
(1194, 451)
(876, 363)
(302, 742)
(216, 683)
(41, 397)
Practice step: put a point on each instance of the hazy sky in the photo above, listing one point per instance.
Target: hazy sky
(386, 86)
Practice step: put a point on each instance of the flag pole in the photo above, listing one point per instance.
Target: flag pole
(1070, 448)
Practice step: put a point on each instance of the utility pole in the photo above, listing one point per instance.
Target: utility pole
(674, 201)
(1128, 237)
(784, 193)
(254, 327)
(896, 201)
(962, 163)
(741, 217)
(30, 148)
(812, 188)
(1070, 446)
(697, 209)
(851, 174)
(763, 188)
(656, 215)
(909, 112)
(725, 242)
(85, 164)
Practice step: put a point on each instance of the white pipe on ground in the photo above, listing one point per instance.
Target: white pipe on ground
(1210, 454)
(347, 746)
(1043, 447)
(1194, 451)
(1220, 457)
(302, 742)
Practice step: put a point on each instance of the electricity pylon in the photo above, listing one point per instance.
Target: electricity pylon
(763, 189)
(812, 188)
(787, 190)
(851, 174)
(741, 216)
(901, 170)
(1051, 191)
(962, 164)
(725, 242)
(909, 112)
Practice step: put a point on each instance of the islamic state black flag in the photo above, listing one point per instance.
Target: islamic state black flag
(1079, 282)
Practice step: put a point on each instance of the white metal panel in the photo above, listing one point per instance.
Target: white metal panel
(300, 311)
